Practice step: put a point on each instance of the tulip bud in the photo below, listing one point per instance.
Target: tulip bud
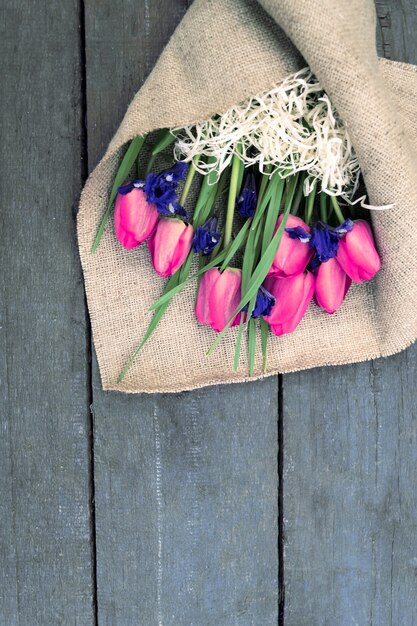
(169, 245)
(294, 253)
(218, 296)
(332, 284)
(293, 295)
(357, 254)
(134, 218)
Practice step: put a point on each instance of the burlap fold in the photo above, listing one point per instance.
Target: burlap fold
(222, 52)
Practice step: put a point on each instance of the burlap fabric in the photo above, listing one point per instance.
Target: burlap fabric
(222, 52)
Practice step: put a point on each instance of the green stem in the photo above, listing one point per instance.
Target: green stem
(323, 207)
(231, 202)
(188, 183)
(264, 181)
(310, 204)
(298, 196)
(150, 164)
(337, 209)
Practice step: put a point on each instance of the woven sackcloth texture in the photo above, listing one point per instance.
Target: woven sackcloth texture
(222, 52)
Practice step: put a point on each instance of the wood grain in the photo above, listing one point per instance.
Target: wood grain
(350, 467)
(186, 485)
(45, 571)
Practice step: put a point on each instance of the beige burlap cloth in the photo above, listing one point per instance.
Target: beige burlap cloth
(222, 52)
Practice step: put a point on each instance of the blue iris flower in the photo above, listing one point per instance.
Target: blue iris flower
(298, 232)
(264, 303)
(160, 192)
(176, 173)
(246, 202)
(161, 189)
(325, 240)
(206, 237)
(127, 188)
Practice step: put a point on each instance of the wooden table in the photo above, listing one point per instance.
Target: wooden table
(199, 509)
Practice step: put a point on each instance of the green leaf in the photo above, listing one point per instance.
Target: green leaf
(272, 214)
(235, 245)
(264, 181)
(264, 341)
(251, 345)
(238, 345)
(164, 138)
(266, 197)
(248, 259)
(208, 187)
(126, 165)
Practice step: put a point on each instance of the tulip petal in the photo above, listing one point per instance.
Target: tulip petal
(293, 295)
(134, 218)
(293, 255)
(169, 245)
(202, 309)
(357, 254)
(332, 285)
(224, 297)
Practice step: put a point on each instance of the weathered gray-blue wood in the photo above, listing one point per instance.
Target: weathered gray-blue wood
(350, 467)
(186, 508)
(45, 565)
(186, 485)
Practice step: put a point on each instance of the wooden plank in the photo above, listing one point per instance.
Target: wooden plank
(186, 485)
(350, 467)
(45, 573)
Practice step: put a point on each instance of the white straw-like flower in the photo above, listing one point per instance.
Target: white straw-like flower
(290, 128)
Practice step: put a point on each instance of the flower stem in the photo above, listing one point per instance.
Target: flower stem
(337, 209)
(188, 183)
(231, 202)
(323, 207)
(150, 164)
(297, 198)
(310, 204)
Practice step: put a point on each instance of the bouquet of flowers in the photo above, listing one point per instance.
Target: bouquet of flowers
(289, 232)
(251, 201)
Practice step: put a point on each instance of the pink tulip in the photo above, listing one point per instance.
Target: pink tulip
(134, 218)
(357, 254)
(293, 255)
(202, 310)
(169, 245)
(218, 296)
(332, 284)
(293, 295)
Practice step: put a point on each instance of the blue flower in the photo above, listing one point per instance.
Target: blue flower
(176, 173)
(161, 190)
(326, 241)
(206, 237)
(298, 232)
(264, 303)
(246, 202)
(127, 187)
(344, 228)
